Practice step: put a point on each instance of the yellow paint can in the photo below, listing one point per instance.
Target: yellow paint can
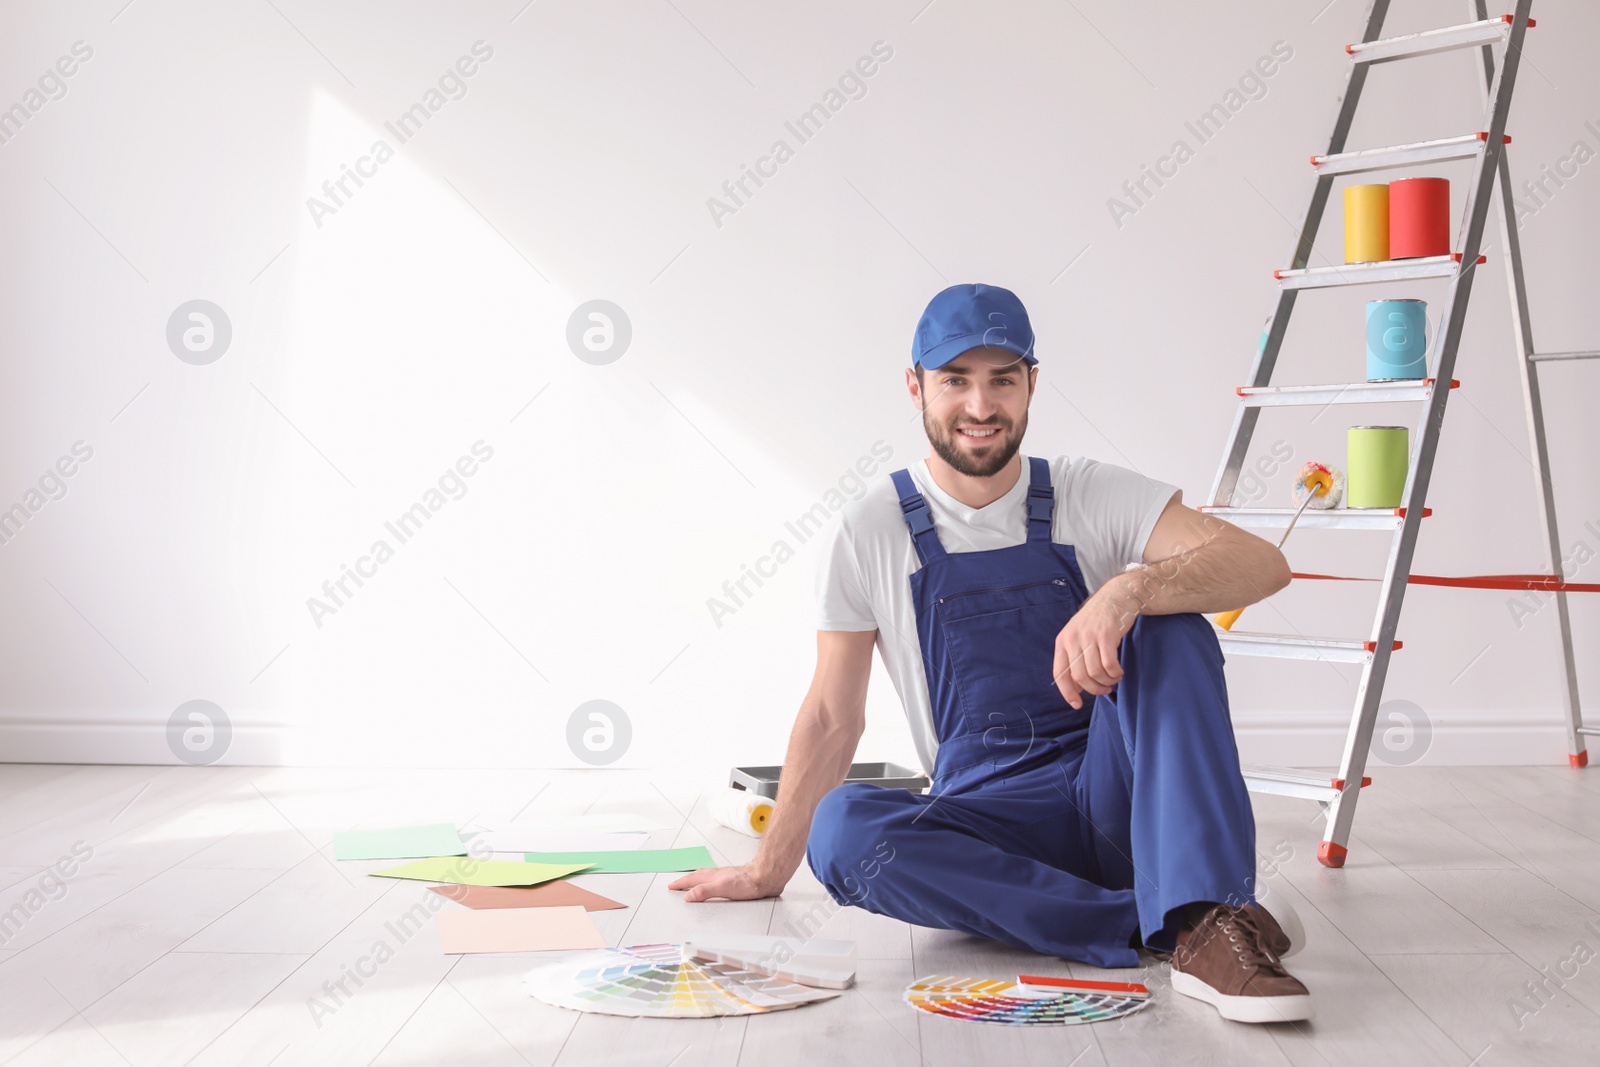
(1366, 223)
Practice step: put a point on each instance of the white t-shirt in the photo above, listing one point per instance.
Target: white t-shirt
(862, 582)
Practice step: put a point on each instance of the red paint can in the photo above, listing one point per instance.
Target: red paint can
(1419, 217)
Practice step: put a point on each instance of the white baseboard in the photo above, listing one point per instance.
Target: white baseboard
(35, 740)
(1460, 739)
(1298, 739)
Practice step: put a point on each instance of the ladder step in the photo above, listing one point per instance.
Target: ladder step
(1263, 396)
(1562, 355)
(1290, 783)
(1295, 782)
(1384, 270)
(1464, 147)
(1282, 646)
(1489, 31)
(1595, 730)
(1311, 518)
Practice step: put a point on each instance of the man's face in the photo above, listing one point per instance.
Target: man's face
(975, 409)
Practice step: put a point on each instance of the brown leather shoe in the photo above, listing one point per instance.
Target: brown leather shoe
(1230, 960)
(1272, 935)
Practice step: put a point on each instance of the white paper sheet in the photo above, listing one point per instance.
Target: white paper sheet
(598, 823)
(519, 837)
(535, 840)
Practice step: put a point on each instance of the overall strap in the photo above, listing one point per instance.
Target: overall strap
(918, 517)
(1041, 499)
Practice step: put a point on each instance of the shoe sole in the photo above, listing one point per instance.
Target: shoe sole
(1245, 1009)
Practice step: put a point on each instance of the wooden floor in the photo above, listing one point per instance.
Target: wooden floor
(209, 912)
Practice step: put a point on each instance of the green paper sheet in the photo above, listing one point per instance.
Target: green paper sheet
(466, 870)
(401, 843)
(634, 861)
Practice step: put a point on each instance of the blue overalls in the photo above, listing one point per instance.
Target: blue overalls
(1058, 830)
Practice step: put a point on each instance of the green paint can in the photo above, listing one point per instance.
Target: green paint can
(1379, 457)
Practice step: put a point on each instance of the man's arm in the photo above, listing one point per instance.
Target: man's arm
(821, 746)
(1192, 562)
(1198, 562)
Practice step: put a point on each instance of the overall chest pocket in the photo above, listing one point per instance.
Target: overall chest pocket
(1001, 647)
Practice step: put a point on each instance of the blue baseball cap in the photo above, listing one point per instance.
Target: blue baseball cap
(964, 317)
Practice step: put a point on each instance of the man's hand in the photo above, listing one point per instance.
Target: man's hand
(1086, 647)
(725, 883)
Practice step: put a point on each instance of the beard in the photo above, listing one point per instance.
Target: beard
(976, 461)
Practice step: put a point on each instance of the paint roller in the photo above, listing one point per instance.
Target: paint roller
(1317, 486)
(742, 810)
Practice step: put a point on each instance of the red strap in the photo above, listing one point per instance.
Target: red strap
(1481, 581)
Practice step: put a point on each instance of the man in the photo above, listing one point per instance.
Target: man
(1086, 797)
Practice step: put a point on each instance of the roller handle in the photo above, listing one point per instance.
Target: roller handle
(1228, 618)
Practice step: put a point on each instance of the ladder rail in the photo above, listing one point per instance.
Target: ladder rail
(1245, 418)
(1533, 406)
(1475, 212)
(1563, 355)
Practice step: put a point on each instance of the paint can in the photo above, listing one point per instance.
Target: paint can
(1419, 217)
(1397, 340)
(1379, 457)
(1366, 223)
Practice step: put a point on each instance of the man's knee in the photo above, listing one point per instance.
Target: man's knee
(837, 828)
(849, 835)
(1182, 650)
(1186, 628)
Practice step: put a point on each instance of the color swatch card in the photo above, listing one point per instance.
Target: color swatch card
(1080, 985)
(400, 843)
(550, 895)
(468, 870)
(518, 930)
(662, 981)
(804, 961)
(651, 860)
(991, 1000)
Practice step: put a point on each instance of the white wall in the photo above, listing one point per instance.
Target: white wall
(375, 345)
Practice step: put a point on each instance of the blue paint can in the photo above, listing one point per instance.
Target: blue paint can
(1397, 340)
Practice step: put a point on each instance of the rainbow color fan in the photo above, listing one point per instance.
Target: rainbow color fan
(1029, 1001)
(662, 981)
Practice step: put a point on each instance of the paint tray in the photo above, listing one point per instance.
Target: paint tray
(763, 781)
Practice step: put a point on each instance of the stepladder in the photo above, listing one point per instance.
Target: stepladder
(1499, 40)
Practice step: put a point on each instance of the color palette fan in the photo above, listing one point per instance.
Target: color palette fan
(662, 981)
(992, 1000)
